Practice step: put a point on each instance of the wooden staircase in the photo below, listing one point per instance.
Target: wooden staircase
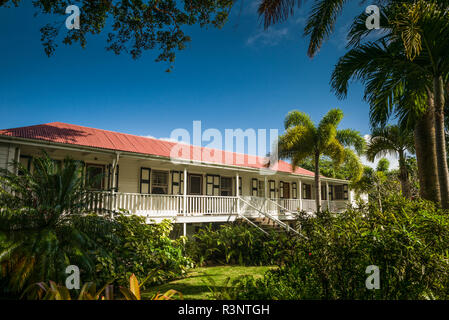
(265, 221)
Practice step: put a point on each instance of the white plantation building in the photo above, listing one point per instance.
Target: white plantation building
(139, 176)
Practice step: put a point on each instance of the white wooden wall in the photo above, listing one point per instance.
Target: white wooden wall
(8, 153)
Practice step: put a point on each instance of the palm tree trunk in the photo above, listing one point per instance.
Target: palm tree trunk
(426, 154)
(443, 177)
(403, 176)
(317, 182)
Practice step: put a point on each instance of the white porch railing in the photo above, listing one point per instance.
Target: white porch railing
(200, 205)
(308, 205)
(197, 205)
(292, 205)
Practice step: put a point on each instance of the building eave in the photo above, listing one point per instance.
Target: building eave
(143, 156)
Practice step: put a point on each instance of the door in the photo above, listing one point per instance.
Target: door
(286, 188)
(195, 184)
(226, 187)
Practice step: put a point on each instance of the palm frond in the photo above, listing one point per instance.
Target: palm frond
(321, 23)
(352, 138)
(297, 118)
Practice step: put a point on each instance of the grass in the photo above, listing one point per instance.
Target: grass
(195, 285)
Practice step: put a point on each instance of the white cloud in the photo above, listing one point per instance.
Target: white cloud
(274, 35)
(270, 37)
(394, 162)
(163, 139)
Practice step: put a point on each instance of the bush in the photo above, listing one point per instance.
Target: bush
(241, 244)
(408, 241)
(127, 245)
(38, 238)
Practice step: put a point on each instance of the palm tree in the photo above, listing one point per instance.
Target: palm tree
(423, 28)
(395, 86)
(396, 141)
(303, 140)
(37, 223)
(320, 23)
(417, 31)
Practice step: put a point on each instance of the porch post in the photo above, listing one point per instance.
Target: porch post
(16, 160)
(237, 187)
(265, 186)
(327, 196)
(114, 180)
(300, 194)
(349, 196)
(185, 200)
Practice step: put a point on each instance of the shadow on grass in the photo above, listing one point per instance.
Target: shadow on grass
(189, 291)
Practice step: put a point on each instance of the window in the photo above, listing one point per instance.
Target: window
(226, 186)
(339, 192)
(307, 191)
(94, 176)
(272, 191)
(212, 185)
(159, 182)
(177, 182)
(294, 190)
(254, 187)
(345, 192)
(26, 162)
(261, 190)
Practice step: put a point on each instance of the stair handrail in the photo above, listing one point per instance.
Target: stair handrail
(245, 218)
(269, 216)
(282, 207)
(252, 223)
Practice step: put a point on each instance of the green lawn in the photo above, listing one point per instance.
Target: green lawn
(195, 285)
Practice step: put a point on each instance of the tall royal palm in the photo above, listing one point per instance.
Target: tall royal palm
(423, 28)
(395, 86)
(303, 140)
(396, 141)
(415, 31)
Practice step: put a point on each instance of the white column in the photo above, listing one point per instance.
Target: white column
(265, 185)
(300, 194)
(17, 160)
(349, 195)
(327, 196)
(237, 187)
(114, 180)
(184, 192)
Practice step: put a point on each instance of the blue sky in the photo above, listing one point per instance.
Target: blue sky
(236, 77)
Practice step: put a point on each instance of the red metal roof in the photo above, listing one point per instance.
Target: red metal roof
(90, 137)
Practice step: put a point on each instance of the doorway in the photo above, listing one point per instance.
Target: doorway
(195, 184)
(286, 194)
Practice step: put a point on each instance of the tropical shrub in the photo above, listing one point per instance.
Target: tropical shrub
(239, 243)
(53, 291)
(44, 228)
(407, 241)
(127, 245)
(38, 237)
